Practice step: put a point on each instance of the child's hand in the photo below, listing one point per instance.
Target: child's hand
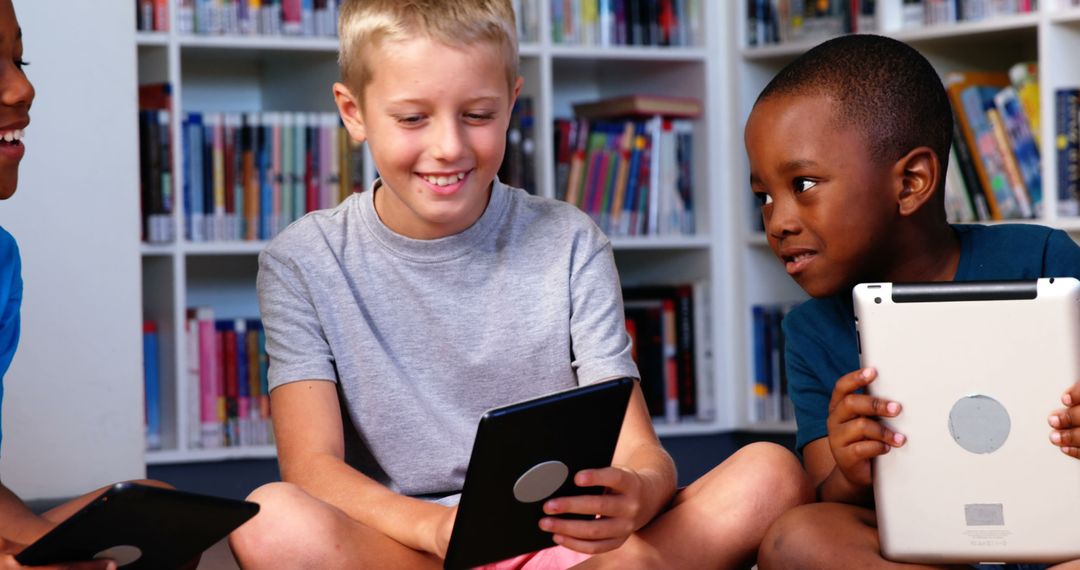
(9, 549)
(616, 511)
(854, 435)
(1066, 423)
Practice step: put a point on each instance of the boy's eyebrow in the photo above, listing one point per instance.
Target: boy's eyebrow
(798, 164)
(422, 100)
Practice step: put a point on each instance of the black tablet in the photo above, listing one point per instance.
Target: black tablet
(528, 452)
(141, 528)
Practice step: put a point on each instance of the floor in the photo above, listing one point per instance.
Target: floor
(218, 557)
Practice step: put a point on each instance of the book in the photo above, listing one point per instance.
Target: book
(1022, 142)
(955, 84)
(639, 105)
(152, 385)
(209, 380)
(1067, 149)
(987, 153)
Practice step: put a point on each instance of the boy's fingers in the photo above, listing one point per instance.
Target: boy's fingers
(591, 530)
(855, 406)
(1066, 437)
(849, 383)
(609, 477)
(868, 429)
(1065, 418)
(1071, 397)
(1070, 450)
(607, 505)
(868, 449)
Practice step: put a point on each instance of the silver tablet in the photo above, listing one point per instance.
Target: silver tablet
(978, 368)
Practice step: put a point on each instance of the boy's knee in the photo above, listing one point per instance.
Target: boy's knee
(287, 515)
(792, 537)
(775, 471)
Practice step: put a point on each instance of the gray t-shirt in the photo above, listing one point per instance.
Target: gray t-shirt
(424, 336)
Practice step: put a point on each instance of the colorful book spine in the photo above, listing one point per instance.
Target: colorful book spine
(209, 381)
(152, 385)
(1067, 148)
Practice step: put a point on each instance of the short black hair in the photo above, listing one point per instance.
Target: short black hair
(883, 86)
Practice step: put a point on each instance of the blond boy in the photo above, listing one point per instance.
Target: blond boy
(404, 313)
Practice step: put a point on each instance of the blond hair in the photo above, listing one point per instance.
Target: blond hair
(366, 24)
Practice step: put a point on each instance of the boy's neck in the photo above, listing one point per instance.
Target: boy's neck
(930, 252)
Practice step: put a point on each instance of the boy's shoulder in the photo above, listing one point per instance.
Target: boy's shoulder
(541, 218)
(326, 225)
(1015, 251)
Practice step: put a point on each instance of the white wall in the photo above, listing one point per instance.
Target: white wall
(72, 409)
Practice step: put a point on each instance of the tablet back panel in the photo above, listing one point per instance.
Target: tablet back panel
(578, 428)
(978, 368)
(169, 527)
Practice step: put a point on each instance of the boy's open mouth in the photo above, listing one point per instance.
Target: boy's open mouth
(12, 137)
(797, 262)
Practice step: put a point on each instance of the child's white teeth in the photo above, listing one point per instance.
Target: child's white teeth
(445, 180)
(12, 136)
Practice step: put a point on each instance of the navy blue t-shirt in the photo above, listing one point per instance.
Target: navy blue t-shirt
(820, 344)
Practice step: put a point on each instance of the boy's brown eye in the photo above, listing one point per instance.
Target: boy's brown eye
(803, 184)
(763, 198)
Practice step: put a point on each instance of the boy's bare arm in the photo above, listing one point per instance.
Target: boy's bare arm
(640, 483)
(17, 522)
(311, 451)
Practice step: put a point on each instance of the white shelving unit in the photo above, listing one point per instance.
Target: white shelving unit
(1048, 36)
(292, 74)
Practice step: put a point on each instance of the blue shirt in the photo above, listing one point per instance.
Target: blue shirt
(820, 344)
(10, 300)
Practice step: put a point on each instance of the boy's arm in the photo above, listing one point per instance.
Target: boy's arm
(839, 465)
(17, 522)
(311, 450)
(640, 482)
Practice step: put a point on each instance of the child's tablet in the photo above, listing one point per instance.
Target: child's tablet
(528, 452)
(141, 528)
(978, 368)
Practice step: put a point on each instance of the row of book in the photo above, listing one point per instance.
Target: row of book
(996, 170)
(917, 13)
(769, 398)
(152, 15)
(664, 331)
(246, 175)
(228, 402)
(626, 22)
(228, 396)
(781, 21)
(633, 175)
(307, 18)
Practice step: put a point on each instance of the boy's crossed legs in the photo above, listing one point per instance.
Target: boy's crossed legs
(718, 521)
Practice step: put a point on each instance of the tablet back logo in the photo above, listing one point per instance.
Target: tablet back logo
(979, 424)
(540, 481)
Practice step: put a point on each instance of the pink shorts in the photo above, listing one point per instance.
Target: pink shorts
(554, 558)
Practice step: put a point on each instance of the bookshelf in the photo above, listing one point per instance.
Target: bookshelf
(233, 73)
(1047, 35)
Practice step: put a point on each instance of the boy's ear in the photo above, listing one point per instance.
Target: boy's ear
(349, 109)
(518, 83)
(917, 173)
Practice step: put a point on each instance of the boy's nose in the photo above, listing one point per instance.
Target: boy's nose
(782, 218)
(448, 141)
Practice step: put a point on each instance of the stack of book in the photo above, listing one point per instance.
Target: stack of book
(995, 167)
(156, 165)
(626, 22)
(628, 163)
(1067, 148)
